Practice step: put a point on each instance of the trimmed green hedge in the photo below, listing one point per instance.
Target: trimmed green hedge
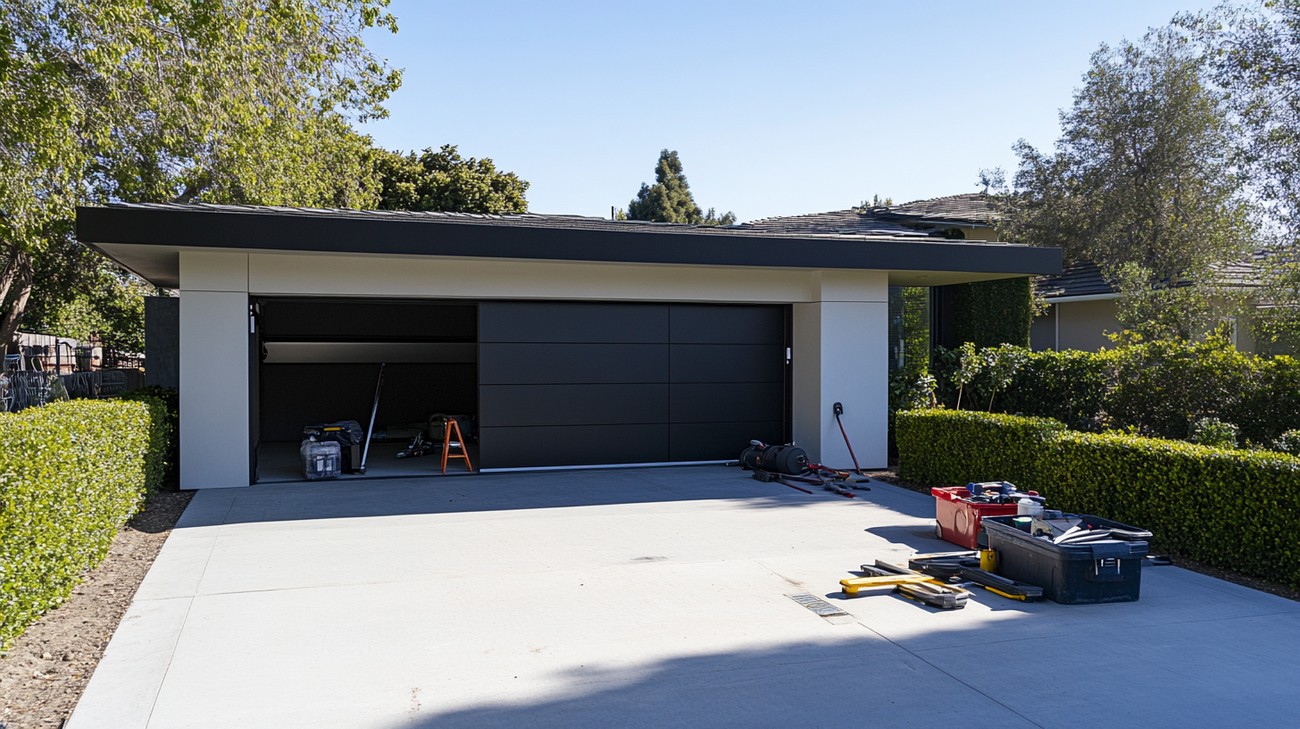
(71, 474)
(1233, 509)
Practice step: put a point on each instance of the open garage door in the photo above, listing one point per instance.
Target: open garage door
(565, 384)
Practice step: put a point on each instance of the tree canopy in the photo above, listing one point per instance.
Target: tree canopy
(138, 101)
(669, 200)
(444, 180)
(1141, 181)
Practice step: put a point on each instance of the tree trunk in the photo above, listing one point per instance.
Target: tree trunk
(18, 277)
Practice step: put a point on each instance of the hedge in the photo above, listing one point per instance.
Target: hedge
(71, 474)
(1233, 509)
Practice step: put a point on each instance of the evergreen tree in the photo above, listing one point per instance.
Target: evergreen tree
(669, 200)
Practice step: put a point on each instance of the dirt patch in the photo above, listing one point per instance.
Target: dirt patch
(45, 671)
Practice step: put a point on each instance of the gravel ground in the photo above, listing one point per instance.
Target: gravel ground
(45, 671)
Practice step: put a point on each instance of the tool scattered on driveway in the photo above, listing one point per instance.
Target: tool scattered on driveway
(787, 463)
(838, 409)
(964, 566)
(913, 585)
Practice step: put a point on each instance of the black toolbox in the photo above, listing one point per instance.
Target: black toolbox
(347, 433)
(1071, 574)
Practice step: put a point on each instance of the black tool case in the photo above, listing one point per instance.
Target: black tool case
(1072, 574)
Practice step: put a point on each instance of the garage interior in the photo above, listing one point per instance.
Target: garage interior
(539, 383)
(319, 363)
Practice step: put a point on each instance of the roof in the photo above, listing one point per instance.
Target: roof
(916, 219)
(971, 208)
(1086, 279)
(147, 239)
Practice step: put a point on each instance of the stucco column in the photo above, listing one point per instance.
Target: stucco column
(214, 392)
(839, 356)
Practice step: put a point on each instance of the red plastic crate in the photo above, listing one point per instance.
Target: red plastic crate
(957, 519)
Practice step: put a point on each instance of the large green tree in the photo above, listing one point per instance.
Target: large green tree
(1141, 183)
(444, 180)
(669, 200)
(1253, 54)
(239, 101)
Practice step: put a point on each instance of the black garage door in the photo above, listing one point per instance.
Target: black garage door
(579, 384)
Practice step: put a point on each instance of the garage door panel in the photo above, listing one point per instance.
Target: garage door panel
(728, 363)
(506, 405)
(535, 321)
(727, 402)
(708, 324)
(549, 363)
(579, 445)
(719, 441)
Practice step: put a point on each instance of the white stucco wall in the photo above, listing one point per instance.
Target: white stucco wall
(840, 324)
(214, 370)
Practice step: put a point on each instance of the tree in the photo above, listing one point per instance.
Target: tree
(443, 180)
(1141, 179)
(669, 200)
(138, 101)
(1252, 52)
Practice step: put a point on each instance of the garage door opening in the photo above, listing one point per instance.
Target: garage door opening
(318, 361)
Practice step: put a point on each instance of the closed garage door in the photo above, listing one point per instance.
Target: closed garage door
(583, 384)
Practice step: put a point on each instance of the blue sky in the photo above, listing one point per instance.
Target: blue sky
(775, 108)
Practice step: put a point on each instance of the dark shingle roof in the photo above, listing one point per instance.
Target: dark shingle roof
(838, 222)
(1085, 279)
(971, 208)
(916, 219)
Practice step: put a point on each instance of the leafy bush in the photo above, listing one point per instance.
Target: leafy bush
(955, 447)
(1234, 509)
(164, 427)
(1213, 432)
(71, 474)
(1288, 442)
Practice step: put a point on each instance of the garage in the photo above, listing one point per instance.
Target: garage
(565, 341)
(535, 383)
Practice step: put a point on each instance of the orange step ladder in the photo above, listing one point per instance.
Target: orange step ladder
(448, 444)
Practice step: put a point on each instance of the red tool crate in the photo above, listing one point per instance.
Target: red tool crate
(957, 518)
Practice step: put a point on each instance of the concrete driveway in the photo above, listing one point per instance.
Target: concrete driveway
(643, 598)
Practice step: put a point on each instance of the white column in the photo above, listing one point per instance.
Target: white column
(840, 356)
(214, 386)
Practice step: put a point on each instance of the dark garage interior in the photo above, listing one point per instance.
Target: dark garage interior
(320, 361)
(539, 384)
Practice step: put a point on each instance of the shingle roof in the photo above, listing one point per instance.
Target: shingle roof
(971, 208)
(837, 222)
(916, 219)
(1086, 279)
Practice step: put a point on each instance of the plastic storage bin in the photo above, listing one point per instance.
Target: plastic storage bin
(320, 459)
(1071, 574)
(958, 519)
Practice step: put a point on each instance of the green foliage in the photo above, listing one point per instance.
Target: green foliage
(1142, 181)
(953, 448)
(1158, 388)
(163, 455)
(71, 474)
(1288, 442)
(137, 101)
(1229, 508)
(443, 180)
(669, 200)
(989, 313)
(1213, 432)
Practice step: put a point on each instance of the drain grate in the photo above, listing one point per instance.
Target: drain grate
(817, 605)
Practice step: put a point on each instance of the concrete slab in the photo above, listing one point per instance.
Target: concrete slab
(648, 597)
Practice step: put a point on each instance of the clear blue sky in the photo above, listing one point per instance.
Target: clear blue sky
(776, 108)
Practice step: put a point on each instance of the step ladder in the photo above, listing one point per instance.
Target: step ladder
(459, 443)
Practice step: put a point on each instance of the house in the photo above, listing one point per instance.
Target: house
(569, 341)
(1082, 307)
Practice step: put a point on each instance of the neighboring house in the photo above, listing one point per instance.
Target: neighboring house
(570, 341)
(1082, 307)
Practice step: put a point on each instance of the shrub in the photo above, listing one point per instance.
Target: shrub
(164, 426)
(71, 474)
(1234, 509)
(1213, 432)
(1288, 442)
(955, 447)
